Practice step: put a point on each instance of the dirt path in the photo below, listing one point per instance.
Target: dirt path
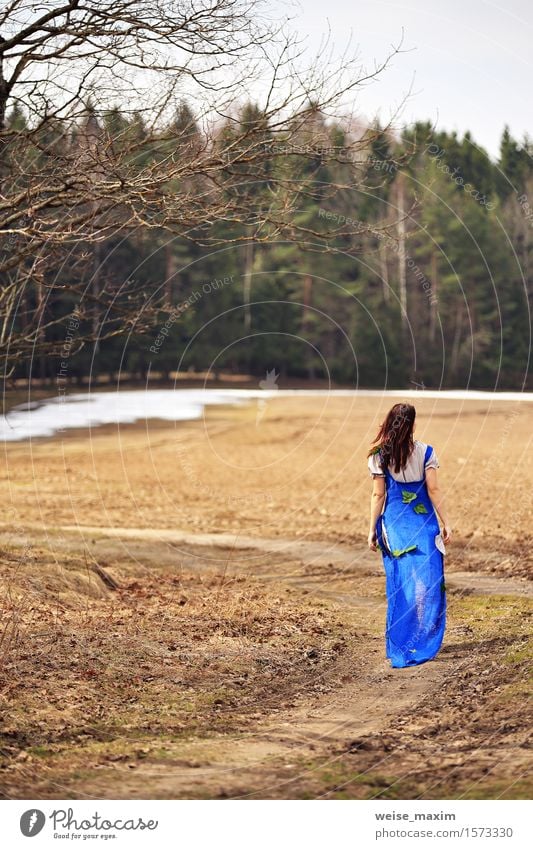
(321, 714)
(312, 553)
(280, 753)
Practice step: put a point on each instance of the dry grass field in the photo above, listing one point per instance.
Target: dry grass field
(191, 611)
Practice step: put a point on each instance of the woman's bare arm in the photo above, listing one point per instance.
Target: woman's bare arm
(437, 499)
(376, 505)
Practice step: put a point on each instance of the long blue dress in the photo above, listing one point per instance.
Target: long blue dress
(408, 534)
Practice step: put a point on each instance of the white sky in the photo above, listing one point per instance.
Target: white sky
(470, 61)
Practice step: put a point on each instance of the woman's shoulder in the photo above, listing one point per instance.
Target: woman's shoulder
(421, 448)
(374, 456)
(374, 462)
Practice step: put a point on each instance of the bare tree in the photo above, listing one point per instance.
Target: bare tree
(68, 181)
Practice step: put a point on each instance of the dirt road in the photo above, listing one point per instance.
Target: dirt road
(332, 721)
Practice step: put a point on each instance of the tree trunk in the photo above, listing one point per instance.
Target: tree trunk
(4, 95)
(170, 271)
(306, 298)
(454, 359)
(247, 287)
(307, 293)
(433, 298)
(402, 265)
(384, 271)
(95, 290)
(39, 319)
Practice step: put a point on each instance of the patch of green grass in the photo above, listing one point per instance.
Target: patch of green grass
(340, 781)
(516, 656)
(83, 775)
(494, 615)
(521, 789)
(516, 691)
(41, 751)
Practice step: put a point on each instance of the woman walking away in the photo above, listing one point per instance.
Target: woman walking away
(406, 530)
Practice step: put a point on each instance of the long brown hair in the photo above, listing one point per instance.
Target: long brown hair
(394, 440)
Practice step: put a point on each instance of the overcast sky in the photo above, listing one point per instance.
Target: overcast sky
(469, 61)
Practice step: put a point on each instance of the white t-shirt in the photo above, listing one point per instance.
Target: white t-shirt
(413, 469)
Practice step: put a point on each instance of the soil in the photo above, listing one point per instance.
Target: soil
(192, 612)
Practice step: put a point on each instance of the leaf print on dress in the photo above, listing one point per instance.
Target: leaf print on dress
(399, 551)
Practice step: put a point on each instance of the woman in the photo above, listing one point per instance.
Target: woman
(406, 531)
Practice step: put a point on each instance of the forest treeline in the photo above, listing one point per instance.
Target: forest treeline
(416, 270)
